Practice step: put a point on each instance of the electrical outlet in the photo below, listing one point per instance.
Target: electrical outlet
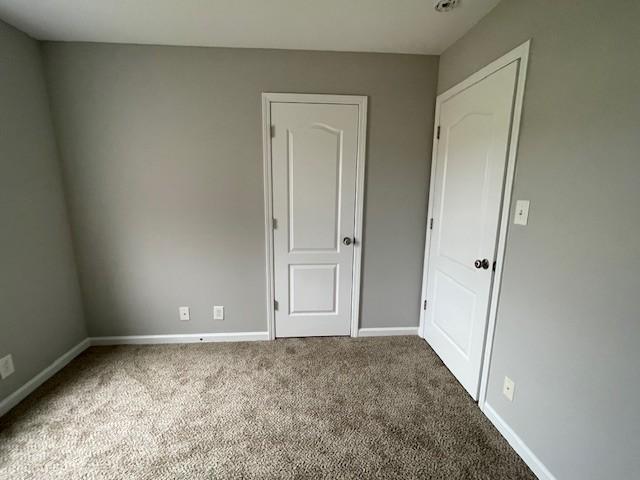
(184, 313)
(218, 312)
(6, 366)
(507, 388)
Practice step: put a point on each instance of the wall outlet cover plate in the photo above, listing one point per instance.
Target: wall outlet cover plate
(6, 366)
(184, 313)
(507, 388)
(522, 212)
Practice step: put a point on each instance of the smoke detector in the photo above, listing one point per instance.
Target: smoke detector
(445, 5)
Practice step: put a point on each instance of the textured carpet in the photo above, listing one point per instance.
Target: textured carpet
(323, 408)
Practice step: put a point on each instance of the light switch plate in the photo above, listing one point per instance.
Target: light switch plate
(507, 388)
(522, 212)
(184, 313)
(6, 366)
(218, 312)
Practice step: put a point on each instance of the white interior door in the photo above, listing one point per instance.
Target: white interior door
(466, 202)
(314, 150)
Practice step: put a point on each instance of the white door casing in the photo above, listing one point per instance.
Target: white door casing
(316, 149)
(467, 195)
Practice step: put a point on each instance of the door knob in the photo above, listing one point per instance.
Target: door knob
(347, 241)
(484, 263)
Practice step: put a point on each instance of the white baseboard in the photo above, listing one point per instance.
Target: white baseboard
(180, 338)
(57, 365)
(521, 448)
(387, 331)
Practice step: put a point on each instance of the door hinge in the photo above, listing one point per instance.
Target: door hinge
(273, 131)
(424, 305)
(275, 223)
(431, 224)
(437, 133)
(275, 305)
(494, 266)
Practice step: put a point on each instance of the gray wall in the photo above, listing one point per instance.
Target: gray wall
(163, 161)
(39, 293)
(568, 329)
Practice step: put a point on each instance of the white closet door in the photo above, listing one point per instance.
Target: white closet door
(314, 156)
(469, 180)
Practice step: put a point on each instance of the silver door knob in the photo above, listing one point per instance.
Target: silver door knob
(484, 263)
(347, 241)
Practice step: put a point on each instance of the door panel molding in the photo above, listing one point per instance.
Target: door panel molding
(521, 55)
(336, 194)
(361, 103)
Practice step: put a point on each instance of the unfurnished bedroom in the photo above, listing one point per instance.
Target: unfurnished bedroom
(358, 239)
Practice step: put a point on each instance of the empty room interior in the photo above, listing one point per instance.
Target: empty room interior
(361, 239)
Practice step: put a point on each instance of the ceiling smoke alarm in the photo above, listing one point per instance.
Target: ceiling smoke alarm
(445, 5)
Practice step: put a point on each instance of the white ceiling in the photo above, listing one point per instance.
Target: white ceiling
(400, 26)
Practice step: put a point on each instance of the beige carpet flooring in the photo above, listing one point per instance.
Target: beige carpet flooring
(322, 408)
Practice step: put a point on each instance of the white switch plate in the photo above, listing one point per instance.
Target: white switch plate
(6, 366)
(184, 313)
(522, 212)
(218, 312)
(507, 388)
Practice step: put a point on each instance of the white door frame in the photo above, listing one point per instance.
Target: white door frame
(361, 102)
(521, 54)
